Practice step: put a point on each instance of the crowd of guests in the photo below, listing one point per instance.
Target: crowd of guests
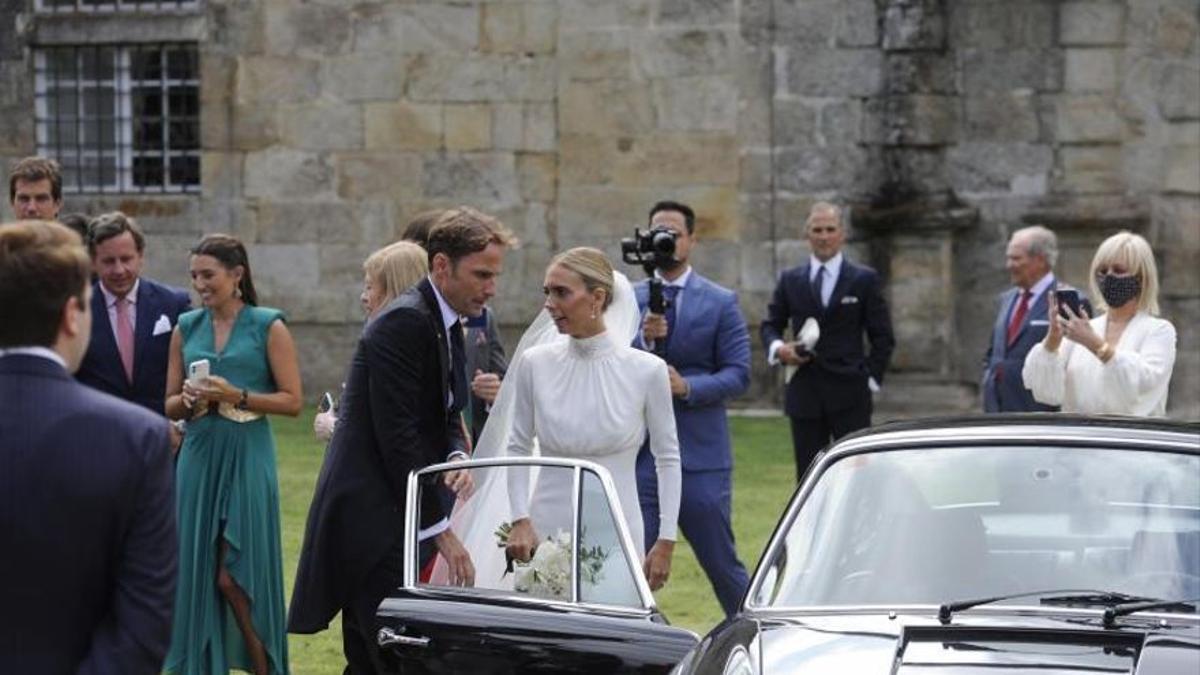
(179, 523)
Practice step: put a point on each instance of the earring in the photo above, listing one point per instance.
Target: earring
(237, 292)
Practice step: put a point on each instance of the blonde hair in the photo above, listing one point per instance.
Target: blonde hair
(592, 266)
(1132, 252)
(396, 267)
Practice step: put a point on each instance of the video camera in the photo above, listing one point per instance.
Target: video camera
(652, 249)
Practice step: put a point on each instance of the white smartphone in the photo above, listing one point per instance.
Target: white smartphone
(198, 370)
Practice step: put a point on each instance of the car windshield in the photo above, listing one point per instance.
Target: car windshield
(928, 526)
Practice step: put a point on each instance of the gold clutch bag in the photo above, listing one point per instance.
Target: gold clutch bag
(227, 410)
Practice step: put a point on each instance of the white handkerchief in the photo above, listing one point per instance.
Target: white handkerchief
(849, 300)
(1039, 322)
(163, 325)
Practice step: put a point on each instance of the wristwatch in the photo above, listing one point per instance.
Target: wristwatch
(244, 402)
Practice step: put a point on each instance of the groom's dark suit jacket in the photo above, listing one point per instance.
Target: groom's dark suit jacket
(393, 419)
(101, 368)
(87, 527)
(837, 378)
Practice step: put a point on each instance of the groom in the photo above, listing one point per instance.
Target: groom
(400, 412)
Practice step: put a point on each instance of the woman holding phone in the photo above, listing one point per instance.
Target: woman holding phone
(229, 606)
(1119, 362)
(387, 273)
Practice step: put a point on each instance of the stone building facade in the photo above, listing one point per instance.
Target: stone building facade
(942, 124)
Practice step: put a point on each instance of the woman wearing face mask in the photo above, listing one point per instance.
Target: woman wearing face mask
(1119, 362)
(387, 273)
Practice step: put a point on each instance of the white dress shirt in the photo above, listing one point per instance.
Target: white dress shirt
(1133, 382)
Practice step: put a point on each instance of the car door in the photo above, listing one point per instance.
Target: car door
(581, 604)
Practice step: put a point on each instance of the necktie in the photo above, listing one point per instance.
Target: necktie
(819, 285)
(669, 294)
(125, 337)
(458, 373)
(1018, 316)
(468, 407)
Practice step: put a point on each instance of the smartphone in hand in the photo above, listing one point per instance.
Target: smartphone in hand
(1067, 297)
(198, 370)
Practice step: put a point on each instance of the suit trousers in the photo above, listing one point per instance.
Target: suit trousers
(811, 434)
(704, 518)
(358, 620)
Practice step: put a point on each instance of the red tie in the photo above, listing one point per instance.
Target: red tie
(125, 337)
(1014, 324)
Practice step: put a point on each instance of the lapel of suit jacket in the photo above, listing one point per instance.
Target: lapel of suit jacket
(102, 334)
(1036, 308)
(845, 276)
(439, 328)
(693, 305)
(146, 311)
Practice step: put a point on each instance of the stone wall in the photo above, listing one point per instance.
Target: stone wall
(942, 124)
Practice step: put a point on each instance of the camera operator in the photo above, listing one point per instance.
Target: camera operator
(704, 340)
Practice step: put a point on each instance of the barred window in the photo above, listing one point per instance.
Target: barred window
(111, 5)
(120, 118)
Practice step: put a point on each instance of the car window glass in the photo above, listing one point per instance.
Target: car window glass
(605, 574)
(934, 525)
(483, 522)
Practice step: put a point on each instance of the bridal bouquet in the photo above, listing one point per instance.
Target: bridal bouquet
(548, 573)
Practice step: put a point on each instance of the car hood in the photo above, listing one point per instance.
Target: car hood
(908, 644)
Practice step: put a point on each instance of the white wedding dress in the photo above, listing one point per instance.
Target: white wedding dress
(592, 399)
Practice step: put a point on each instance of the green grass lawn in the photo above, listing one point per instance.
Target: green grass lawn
(763, 480)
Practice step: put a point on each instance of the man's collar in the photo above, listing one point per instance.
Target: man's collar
(449, 316)
(1042, 284)
(40, 352)
(679, 281)
(833, 265)
(110, 298)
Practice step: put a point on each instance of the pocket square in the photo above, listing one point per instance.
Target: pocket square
(163, 325)
(849, 300)
(1039, 322)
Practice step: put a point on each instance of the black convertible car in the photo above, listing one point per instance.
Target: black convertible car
(1026, 544)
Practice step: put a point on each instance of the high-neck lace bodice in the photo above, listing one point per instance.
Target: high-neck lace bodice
(594, 347)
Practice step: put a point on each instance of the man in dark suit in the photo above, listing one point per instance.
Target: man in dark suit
(830, 394)
(704, 340)
(1021, 320)
(486, 365)
(133, 316)
(87, 522)
(400, 411)
(486, 361)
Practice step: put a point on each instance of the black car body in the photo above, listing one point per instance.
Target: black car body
(1001, 544)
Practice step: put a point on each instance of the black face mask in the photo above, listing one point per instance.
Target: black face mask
(1118, 290)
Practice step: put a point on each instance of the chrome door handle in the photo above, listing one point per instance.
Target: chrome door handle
(388, 637)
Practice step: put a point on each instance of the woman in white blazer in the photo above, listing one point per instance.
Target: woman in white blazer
(1119, 362)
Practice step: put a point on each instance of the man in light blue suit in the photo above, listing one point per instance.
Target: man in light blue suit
(707, 349)
(1021, 320)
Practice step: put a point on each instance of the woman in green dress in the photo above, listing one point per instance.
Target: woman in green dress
(229, 607)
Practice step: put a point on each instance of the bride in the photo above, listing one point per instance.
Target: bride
(576, 388)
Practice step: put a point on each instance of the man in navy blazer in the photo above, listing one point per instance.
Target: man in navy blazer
(1021, 320)
(137, 373)
(830, 394)
(87, 522)
(704, 340)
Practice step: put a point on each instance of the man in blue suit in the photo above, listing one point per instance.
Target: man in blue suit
(707, 349)
(1021, 320)
(830, 394)
(133, 316)
(87, 522)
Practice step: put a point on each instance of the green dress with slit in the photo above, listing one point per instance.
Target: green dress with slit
(226, 487)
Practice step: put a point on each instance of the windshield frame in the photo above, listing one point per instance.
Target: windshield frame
(1042, 435)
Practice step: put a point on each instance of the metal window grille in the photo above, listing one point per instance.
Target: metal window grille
(120, 118)
(60, 6)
